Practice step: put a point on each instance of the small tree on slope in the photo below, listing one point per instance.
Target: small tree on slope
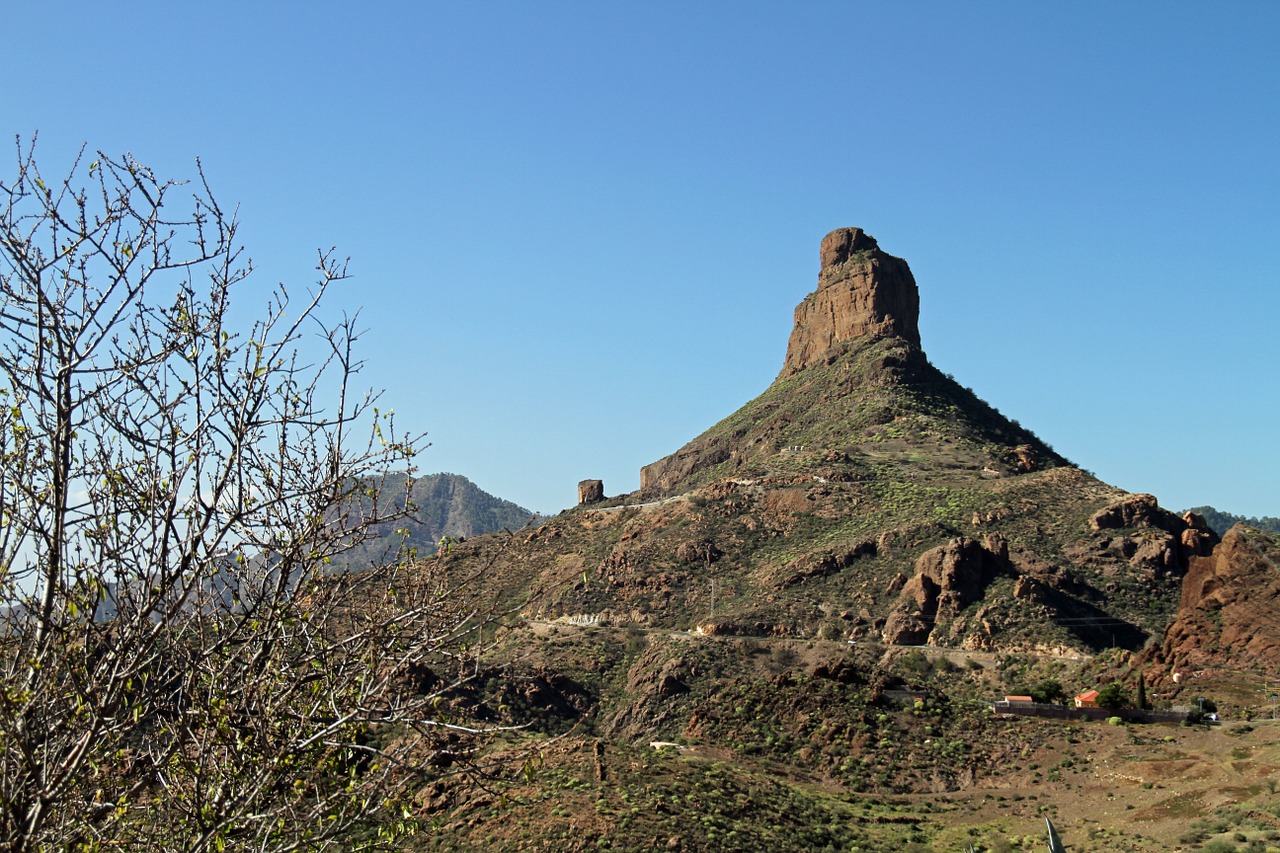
(1114, 696)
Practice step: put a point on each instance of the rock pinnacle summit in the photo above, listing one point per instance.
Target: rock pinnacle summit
(861, 291)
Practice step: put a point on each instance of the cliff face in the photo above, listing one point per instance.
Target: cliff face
(861, 291)
(1227, 613)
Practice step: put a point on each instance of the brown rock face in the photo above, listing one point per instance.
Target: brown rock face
(1026, 459)
(1188, 535)
(1227, 613)
(948, 579)
(861, 291)
(590, 491)
(1137, 511)
(1198, 539)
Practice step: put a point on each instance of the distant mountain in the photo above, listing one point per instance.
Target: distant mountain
(441, 505)
(1221, 522)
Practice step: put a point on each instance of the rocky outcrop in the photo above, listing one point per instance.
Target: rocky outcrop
(1226, 616)
(854, 368)
(812, 566)
(1198, 540)
(590, 492)
(1162, 543)
(666, 472)
(702, 553)
(947, 580)
(1137, 511)
(861, 291)
(1026, 459)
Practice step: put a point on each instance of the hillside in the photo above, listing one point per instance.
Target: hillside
(865, 494)
(780, 746)
(814, 603)
(1225, 635)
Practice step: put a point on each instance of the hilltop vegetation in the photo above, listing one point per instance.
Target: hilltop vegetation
(1221, 522)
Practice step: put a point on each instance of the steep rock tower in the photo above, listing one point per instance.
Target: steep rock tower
(861, 291)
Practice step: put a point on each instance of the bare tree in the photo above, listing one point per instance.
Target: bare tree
(178, 670)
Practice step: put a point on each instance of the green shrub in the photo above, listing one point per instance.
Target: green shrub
(1218, 847)
(1114, 696)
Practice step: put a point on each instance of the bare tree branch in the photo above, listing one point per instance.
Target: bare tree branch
(179, 668)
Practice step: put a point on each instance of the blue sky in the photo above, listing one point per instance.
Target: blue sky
(578, 230)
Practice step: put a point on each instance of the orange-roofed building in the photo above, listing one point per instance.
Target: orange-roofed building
(1087, 699)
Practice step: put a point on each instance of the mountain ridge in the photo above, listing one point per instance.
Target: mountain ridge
(440, 506)
(837, 501)
(815, 602)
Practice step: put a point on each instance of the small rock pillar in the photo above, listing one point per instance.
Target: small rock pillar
(590, 492)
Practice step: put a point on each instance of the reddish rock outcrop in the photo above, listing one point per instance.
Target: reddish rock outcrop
(1026, 459)
(1137, 511)
(861, 291)
(590, 492)
(1226, 616)
(1198, 539)
(1168, 540)
(1027, 588)
(948, 579)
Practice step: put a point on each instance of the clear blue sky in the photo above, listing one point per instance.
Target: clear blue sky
(578, 230)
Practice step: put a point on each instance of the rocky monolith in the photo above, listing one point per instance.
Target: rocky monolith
(590, 492)
(861, 291)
